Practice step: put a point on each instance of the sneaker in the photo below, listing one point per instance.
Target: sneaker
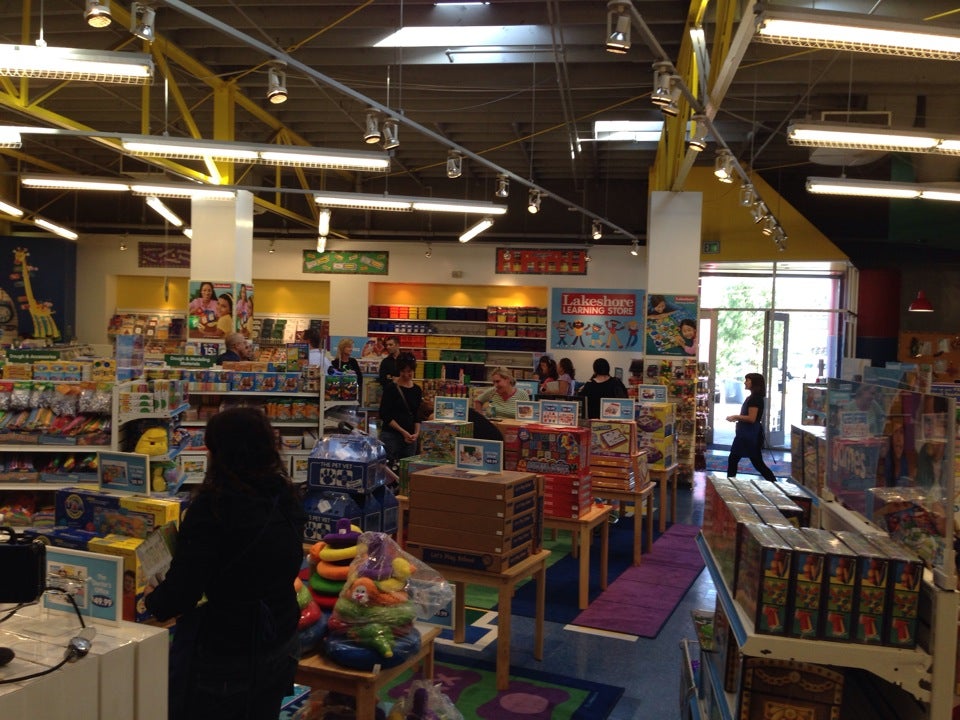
(613, 519)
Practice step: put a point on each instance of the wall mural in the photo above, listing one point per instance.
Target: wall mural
(37, 290)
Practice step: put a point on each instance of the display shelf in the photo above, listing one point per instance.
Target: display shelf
(244, 393)
(689, 697)
(50, 448)
(909, 669)
(160, 415)
(728, 708)
(438, 320)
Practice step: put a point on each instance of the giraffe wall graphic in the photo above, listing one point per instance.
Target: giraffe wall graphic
(44, 326)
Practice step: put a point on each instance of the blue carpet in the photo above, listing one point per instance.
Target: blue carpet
(563, 577)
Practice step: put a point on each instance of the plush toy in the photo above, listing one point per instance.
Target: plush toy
(153, 442)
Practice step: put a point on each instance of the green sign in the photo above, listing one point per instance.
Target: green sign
(190, 361)
(32, 355)
(711, 247)
(346, 262)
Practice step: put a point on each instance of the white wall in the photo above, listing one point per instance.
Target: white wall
(99, 261)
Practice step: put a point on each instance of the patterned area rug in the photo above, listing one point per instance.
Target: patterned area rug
(717, 463)
(641, 600)
(533, 694)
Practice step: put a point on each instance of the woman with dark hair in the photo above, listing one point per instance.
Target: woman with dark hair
(601, 385)
(566, 380)
(546, 370)
(239, 546)
(400, 428)
(748, 440)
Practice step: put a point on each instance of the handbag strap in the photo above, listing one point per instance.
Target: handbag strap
(404, 398)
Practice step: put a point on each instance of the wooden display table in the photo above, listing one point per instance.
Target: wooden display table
(534, 567)
(642, 499)
(320, 673)
(663, 478)
(581, 529)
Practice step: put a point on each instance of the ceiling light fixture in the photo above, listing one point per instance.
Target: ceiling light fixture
(277, 84)
(780, 239)
(534, 198)
(10, 137)
(182, 190)
(862, 188)
(11, 210)
(288, 155)
(371, 133)
(758, 211)
(123, 245)
(747, 196)
(63, 232)
(166, 213)
(323, 225)
(454, 164)
(672, 107)
(272, 248)
(188, 232)
(391, 133)
(398, 203)
(859, 137)
(635, 248)
(428, 253)
(503, 186)
(618, 29)
(97, 13)
(55, 63)
(769, 226)
(60, 182)
(921, 303)
(322, 244)
(596, 230)
(662, 83)
(858, 33)
(471, 232)
(698, 135)
(723, 166)
(142, 18)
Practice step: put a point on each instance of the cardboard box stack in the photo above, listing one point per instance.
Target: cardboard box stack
(485, 522)
(561, 454)
(615, 461)
(656, 433)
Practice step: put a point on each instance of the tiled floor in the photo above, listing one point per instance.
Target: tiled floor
(649, 670)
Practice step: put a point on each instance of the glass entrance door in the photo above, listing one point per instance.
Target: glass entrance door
(737, 347)
(777, 344)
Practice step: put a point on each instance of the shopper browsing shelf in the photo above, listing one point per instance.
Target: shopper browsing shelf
(317, 357)
(236, 349)
(239, 545)
(601, 385)
(748, 440)
(500, 401)
(398, 411)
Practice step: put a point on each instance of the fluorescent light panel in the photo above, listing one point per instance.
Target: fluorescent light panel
(398, 203)
(54, 228)
(865, 137)
(881, 189)
(11, 210)
(648, 131)
(859, 33)
(54, 63)
(446, 36)
(470, 233)
(166, 213)
(9, 137)
(291, 155)
(60, 182)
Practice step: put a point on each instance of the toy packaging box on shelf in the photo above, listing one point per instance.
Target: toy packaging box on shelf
(796, 689)
(905, 571)
(655, 420)
(104, 512)
(763, 579)
(438, 439)
(839, 579)
(807, 584)
(661, 453)
(613, 437)
(870, 594)
(556, 450)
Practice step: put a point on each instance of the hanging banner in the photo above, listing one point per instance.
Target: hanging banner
(163, 255)
(346, 262)
(596, 319)
(541, 262)
(672, 325)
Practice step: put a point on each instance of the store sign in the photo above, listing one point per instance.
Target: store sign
(597, 319)
(346, 262)
(189, 361)
(541, 262)
(29, 356)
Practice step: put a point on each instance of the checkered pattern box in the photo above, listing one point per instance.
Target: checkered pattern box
(613, 437)
(870, 594)
(763, 578)
(840, 575)
(905, 572)
(655, 420)
(438, 438)
(807, 582)
(555, 450)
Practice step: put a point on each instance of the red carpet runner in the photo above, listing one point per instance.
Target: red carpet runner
(641, 600)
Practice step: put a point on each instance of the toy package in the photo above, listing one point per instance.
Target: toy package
(385, 590)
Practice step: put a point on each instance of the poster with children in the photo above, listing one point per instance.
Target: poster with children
(587, 319)
(672, 325)
(210, 312)
(243, 309)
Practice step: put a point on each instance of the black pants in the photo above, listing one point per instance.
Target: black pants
(750, 448)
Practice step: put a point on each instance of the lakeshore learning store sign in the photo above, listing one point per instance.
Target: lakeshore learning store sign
(593, 319)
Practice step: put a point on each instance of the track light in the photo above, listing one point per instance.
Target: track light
(586, 255)
(747, 196)
(533, 201)
(323, 226)
(142, 18)
(273, 246)
(780, 238)
(391, 133)
(635, 249)
(503, 186)
(322, 244)
(428, 253)
(277, 85)
(698, 137)
(618, 30)
(769, 226)
(758, 211)
(662, 83)
(672, 108)
(454, 164)
(471, 232)
(371, 134)
(723, 166)
(97, 13)
(596, 231)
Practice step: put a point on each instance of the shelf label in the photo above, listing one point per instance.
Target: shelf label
(652, 393)
(450, 408)
(528, 411)
(485, 456)
(94, 580)
(190, 361)
(559, 412)
(124, 472)
(616, 409)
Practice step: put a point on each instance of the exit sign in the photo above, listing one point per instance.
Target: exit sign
(711, 247)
